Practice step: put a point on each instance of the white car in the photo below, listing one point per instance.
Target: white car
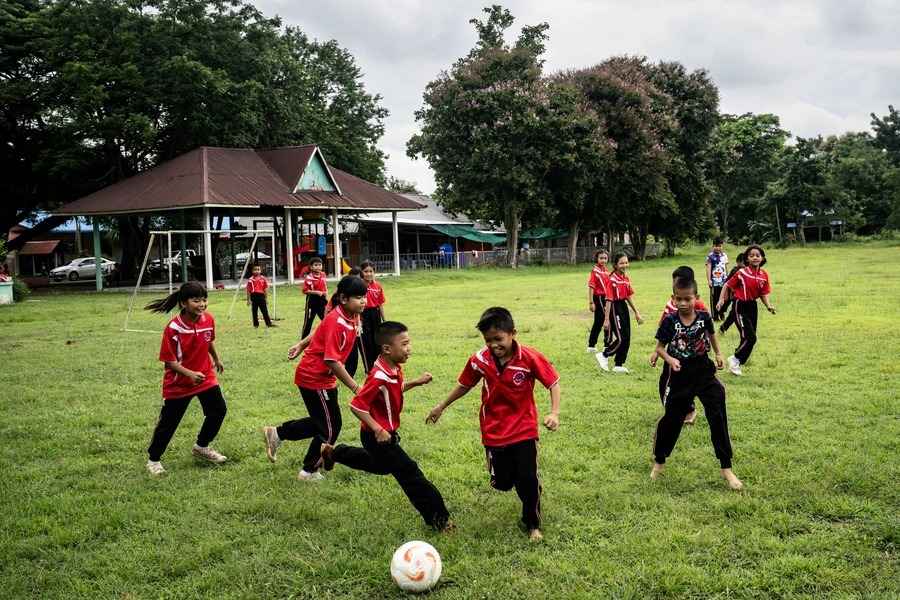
(82, 268)
(242, 257)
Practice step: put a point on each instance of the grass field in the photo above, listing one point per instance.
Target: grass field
(815, 425)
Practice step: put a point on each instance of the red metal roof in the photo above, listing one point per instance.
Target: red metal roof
(234, 177)
(41, 248)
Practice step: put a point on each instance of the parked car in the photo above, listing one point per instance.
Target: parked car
(82, 268)
(241, 257)
(159, 265)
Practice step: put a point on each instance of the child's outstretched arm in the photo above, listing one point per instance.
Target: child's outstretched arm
(215, 356)
(551, 421)
(337, 367)
(423, 379)
(295, 350)
(455, 394)
(726, 294)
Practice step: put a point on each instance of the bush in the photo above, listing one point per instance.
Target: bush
(20, 289)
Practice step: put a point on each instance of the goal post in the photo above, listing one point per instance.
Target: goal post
(165, 236)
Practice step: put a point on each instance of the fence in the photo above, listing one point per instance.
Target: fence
(477, 258)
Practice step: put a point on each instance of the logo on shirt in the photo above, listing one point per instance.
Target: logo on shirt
(518, 378)
(207, 335)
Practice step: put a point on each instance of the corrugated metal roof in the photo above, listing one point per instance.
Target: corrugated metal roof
(41, 248)
(431, 214)
(234, 177)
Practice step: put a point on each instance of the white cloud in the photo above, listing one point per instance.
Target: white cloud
(822, 66)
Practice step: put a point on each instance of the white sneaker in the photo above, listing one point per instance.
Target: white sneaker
(209, 454)
(155, 468)
(272, 442)
(734, 365)
(603, 360)
(591, 349)
(620, 370)
(304, 475)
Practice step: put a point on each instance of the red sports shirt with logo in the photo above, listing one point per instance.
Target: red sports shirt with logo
(671, 309)
(188, 343)
(315, 282)
(332, 340)
(749, 284)
(598, 280)
(381, 396)
(508, 414)
(375, 295)
(619, 287)
(257, 284)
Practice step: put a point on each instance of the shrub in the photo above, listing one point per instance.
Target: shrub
(20, 290)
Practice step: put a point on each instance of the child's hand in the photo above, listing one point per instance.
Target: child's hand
(382, 436)
(772, 309)
(248, 301)
(424, 379)
(295, 350)
(551, 421)
(219, 366)
(675, 364)
(197, 377)
(434, 415)
(606, 325)
(720, 362)
(720, 305)
(592, 307)
(638, 318)
(653, 357)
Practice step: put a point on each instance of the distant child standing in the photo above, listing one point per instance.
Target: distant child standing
(373, 316)
(315, 288)
(716, 272)
(746, 286)
(729, 302)
(316, 378)
(189, 354)
(509, 423)
(598, 282)
(378, 406)
(616, 318)
(683, 341)
(256, 296)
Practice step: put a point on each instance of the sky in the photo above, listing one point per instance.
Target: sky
(822, 67)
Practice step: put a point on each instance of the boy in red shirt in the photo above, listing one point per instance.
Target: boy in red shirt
(377, 406)
(508, 416)
(315, 288)
(256, 295)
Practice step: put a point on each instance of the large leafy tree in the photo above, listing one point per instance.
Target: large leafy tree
(887, 133)
(483, 127)
(98, 90)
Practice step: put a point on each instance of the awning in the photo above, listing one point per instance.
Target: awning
(42, 248)
(469, 233)
(543, 233)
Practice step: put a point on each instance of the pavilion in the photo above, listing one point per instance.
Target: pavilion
(293, 182)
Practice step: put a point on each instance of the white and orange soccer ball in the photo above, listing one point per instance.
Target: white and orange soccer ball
(416, 566)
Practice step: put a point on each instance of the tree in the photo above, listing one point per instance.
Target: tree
(887, 133)
(401, 186)
(742, 160)
(482, 131)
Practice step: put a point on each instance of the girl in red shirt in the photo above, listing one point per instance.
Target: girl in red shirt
(316, 377)
(191, 362)
(746, 286)
(616, 318)
(372, 316)
(598, 281)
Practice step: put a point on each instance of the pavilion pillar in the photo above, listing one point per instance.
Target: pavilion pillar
(336, 237)
(98, 268)
(395, 233)
(207, 249)
(182, 244)
(289, 243)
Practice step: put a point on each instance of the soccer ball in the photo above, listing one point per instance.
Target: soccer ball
(416, 566)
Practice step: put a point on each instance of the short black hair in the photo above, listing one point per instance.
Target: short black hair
(683, 272)
(314, 260)
(684, 283)
(718, 241)
(387, 331)
(496, 317)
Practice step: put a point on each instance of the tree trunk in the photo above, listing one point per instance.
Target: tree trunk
(512, 235)
(724, 224)
(610, 244)
(573, 242)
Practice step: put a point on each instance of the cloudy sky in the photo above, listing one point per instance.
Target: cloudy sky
(821, 66)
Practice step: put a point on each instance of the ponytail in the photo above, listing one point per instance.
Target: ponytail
(188, 290)
(350, 285)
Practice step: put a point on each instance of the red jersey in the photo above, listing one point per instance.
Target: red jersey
(598, 280)
(332, 340)
(375, 295)
(671, 309)
(257, 285)
(508, 414)
(619, 287)
(188, 343)
(749, 284)
(381, 396)
(315, 282)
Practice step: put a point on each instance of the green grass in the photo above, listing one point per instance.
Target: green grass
(815, 424)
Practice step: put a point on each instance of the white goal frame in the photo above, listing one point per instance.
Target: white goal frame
(167, 234)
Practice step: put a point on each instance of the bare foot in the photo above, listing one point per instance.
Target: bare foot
(656, 471)
(449, 527)
(733, 482)
(690, 417)
(535, 535)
